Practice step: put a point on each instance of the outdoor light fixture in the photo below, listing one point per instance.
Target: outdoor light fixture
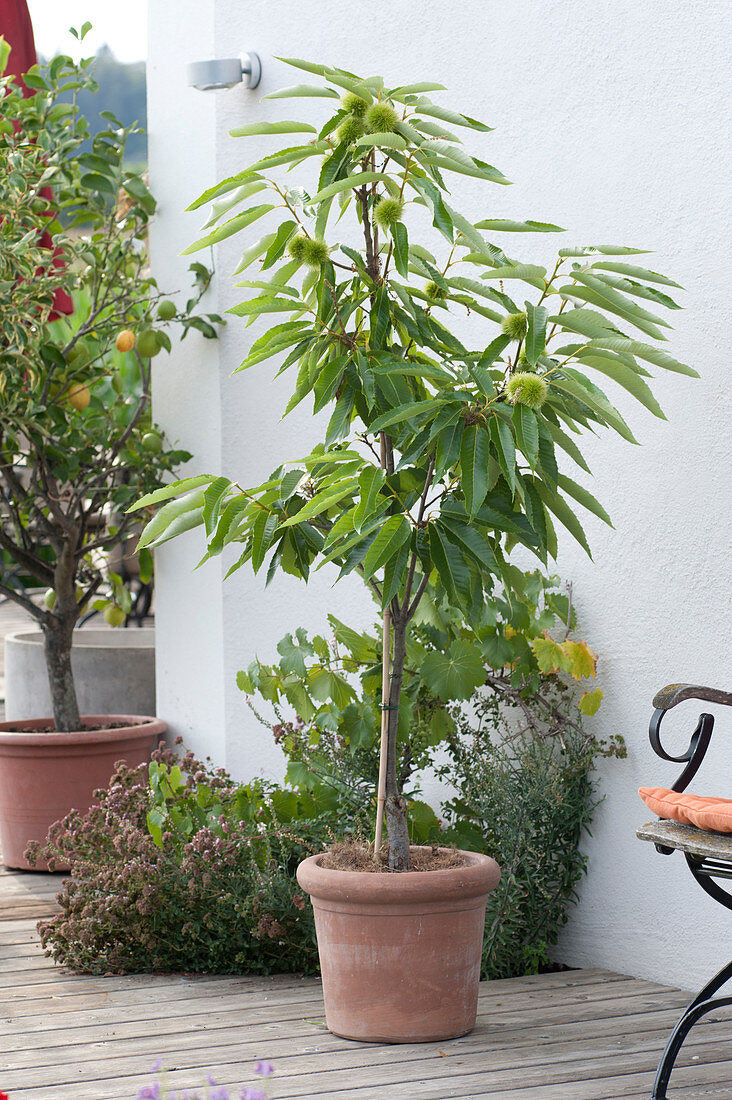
(225, 73)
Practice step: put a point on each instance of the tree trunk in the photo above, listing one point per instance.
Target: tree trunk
(58, 637)
(395, 807)
(58, 631)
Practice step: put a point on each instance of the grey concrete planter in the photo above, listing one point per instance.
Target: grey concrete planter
(114, 672)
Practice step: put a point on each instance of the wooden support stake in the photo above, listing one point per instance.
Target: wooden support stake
(383, 748)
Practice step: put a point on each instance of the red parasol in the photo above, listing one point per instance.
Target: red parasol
(17, 29)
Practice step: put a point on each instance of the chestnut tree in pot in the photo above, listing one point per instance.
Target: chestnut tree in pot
(440, 454)
(82, 319)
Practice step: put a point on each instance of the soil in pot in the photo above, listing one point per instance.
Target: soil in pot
(400, 953)
(44, 775)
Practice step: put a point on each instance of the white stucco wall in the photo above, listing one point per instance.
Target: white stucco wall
(610, 118)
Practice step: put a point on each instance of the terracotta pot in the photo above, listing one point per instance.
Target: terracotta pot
(44, 775)
(400, 953)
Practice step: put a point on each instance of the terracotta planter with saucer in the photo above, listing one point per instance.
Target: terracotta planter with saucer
(45, 775)
(400, 953)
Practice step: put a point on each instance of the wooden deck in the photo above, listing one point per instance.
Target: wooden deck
(580, 1035)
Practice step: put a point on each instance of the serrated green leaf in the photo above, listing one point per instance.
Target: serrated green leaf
(644, 351)
(176, 489)
(406, 412)
(228, 229)
(265, 128)
(527, 273)
(636, 273)
(564, 514)
(394, 532)
(382, 141)
(449, 562)
(583, 497)
(370, 483)
(348, 183)
(401, 248)
(474, 455)
(625, 376)
(302, 91)
(471, 541)
(506, 449)
(526, 428)
(503, 225)
(425, 107)
(212, 500)
(322, 501)
(602, 249)
(536, 317)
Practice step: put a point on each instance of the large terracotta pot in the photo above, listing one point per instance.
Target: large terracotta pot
(400, 953)
(44, 775)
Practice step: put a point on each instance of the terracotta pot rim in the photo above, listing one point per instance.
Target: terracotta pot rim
(137, 725)
(477, 877)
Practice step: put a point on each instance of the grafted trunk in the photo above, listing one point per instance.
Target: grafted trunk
(395, 807)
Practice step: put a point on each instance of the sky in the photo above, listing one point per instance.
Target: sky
(122, 26)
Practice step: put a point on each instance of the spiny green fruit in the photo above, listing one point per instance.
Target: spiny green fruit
(315, 252)
(514, 325)
(388, 212)
(167, 311)
(147, 343)
(296, 247)
(350, 130)
(432, 290)
(380, 118)
(354, 104)
(527, 389)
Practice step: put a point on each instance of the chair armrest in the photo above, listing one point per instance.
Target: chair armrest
(673, 694)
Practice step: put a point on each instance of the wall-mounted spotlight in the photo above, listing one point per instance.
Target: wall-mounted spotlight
(225, 73)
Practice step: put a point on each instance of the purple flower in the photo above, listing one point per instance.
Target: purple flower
(264, 1069)
(253, 1094)
(150, 1092)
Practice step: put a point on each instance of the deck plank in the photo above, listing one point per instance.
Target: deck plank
(575, 1035)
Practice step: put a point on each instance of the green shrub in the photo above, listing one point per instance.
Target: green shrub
(211, 891)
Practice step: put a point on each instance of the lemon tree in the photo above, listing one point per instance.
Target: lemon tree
(81, 319)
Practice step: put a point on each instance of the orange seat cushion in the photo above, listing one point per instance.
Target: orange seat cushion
(689, 809)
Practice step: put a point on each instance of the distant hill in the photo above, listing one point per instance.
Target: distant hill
(122, 90)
